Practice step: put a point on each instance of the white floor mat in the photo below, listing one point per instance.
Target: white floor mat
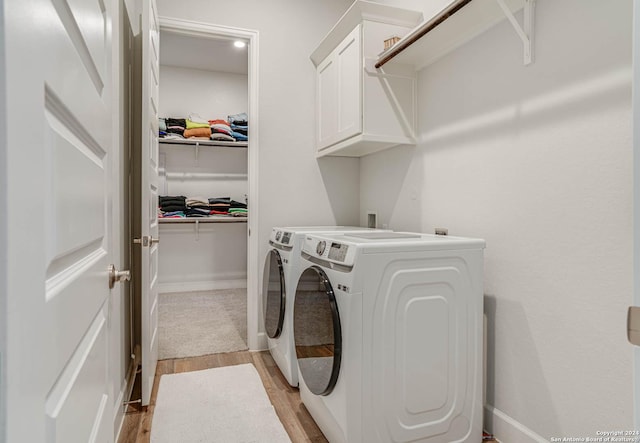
(227, 404)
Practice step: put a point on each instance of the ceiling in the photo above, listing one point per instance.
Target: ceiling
(202, 53)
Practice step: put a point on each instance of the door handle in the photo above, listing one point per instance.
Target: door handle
(116, 276)
(633, 325)
(146, 240)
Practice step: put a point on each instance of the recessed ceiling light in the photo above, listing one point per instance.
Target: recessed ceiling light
(239, 44)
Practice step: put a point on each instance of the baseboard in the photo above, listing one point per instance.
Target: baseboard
(125, 392)
(190, 286)
(506, 429)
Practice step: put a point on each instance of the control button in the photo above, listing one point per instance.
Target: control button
(320, 247)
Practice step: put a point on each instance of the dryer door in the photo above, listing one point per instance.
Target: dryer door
(273, 293)
(317, 331)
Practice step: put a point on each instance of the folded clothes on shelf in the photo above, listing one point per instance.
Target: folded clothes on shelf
(239, 119)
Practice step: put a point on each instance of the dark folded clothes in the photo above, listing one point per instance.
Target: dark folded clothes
(168, 203)
(205, 207)
(173, 208)
(235, 204)
(164, 198)
(196, 212)
(239, 130)
(176, 122)
(196, 215)
(213, 200)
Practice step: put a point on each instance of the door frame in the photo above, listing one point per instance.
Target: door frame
(206, 30)
(636, 198)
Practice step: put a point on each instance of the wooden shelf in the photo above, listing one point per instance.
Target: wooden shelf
(448, 32)
(188, 142)
(210, 219)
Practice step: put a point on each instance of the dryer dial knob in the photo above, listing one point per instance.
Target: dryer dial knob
(320, 247)
(278, 234)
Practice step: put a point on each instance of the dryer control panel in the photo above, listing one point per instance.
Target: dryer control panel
(338, 251)
(329, 249)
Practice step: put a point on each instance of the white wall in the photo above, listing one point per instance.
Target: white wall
(428, 7)
(211, 94)
(213, 256)
(291, 181)
(538, 161)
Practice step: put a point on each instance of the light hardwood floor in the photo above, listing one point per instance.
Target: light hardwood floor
(286, 400)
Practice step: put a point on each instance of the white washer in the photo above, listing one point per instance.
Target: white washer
(389, 342)
(281, 272)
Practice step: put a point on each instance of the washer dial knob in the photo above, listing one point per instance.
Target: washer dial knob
(278, 234)
(320, 247)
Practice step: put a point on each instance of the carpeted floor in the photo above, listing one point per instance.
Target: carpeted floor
(200, 323)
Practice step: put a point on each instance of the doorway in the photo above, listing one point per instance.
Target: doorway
(188, 169)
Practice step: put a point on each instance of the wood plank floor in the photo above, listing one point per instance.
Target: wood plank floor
(285, 399)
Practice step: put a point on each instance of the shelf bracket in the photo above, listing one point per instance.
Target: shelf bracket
(197, 150)
(526, 34)
(197, 229)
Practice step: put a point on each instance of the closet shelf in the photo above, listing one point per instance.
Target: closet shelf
(198, 220)
(175, 141)
(456, 24)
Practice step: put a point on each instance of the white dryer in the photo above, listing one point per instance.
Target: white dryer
(389, 341)
(281, 272)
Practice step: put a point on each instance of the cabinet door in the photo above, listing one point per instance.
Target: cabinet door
(327, 100)
(339, 92)
(350, 70)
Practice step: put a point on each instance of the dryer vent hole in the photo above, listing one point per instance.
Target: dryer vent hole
(372, 220)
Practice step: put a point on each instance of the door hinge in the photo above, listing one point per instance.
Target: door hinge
(633, 325)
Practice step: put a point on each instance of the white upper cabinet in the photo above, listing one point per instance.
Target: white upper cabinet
(339, 83)
(361, 110)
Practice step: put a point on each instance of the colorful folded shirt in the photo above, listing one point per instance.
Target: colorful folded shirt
(193, 125)
(198, 132)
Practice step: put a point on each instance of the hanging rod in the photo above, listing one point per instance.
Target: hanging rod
(524, 32)
(427, 27)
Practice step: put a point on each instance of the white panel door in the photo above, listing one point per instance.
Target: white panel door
(59, 133)
(149, 196)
